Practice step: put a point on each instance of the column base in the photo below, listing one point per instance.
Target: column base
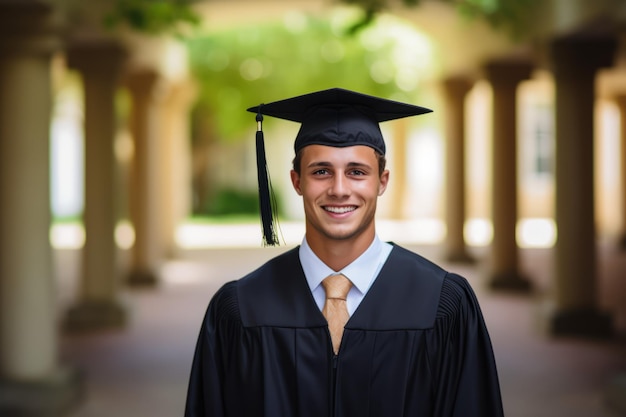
(142, 278)
(95, 315)
(616, 394)
(459, 256)
(586, 322)
(52, 397)
(510, 281)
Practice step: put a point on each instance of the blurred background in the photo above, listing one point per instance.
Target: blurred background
(128, 181)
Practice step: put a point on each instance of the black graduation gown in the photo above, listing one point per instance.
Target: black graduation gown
(416, 346)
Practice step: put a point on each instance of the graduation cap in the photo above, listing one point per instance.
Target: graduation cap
(334, 117)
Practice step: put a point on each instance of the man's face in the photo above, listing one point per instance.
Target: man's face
(339, 187)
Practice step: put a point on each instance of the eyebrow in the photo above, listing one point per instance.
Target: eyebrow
(328, 164)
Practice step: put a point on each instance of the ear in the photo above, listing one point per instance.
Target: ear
(295, 181)
(384, 180)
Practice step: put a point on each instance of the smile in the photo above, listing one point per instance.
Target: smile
(340, 210)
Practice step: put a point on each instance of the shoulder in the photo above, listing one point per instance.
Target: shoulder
(271, 295)
(227, 299)
(415, 261)
(449, 295)
(271, 270)
(455, 291)
(414, 272)
(458, 305)
(224, 304)
(278, 262)
(454, 288)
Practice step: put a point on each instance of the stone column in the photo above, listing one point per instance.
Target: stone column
(100, 64)
(505, 77)
(455, 91)
(176, 164)
(621, 103)
(32, 381)
(396, 157)
(575, 63)
(145, 207)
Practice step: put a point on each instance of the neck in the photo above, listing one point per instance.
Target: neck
(338, 254)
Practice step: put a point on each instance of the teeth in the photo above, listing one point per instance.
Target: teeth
(340, 210)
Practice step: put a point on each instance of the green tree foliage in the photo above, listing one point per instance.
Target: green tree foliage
(152, 16)
(231, 202)
(510, 16)
(250, 65)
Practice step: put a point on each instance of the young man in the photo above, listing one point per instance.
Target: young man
(402, 337)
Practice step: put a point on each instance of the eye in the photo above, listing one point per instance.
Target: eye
(322, 171)
(357, 172)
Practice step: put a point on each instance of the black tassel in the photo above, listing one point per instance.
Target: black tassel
(267, 202)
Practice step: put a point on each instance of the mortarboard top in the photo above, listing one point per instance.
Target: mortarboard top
(338, 117)
(334, 117)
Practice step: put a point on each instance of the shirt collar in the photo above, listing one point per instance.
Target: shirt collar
(361, 272)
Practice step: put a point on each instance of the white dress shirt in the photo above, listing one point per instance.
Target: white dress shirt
(361, 272)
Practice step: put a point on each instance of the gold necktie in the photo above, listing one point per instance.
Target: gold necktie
(335, 309)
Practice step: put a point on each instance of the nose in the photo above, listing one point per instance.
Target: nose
(339, 187)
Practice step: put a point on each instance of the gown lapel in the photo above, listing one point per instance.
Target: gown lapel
(404, 295)
(279, 296)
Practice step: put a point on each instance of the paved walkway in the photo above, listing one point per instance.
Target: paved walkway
(143, 369)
